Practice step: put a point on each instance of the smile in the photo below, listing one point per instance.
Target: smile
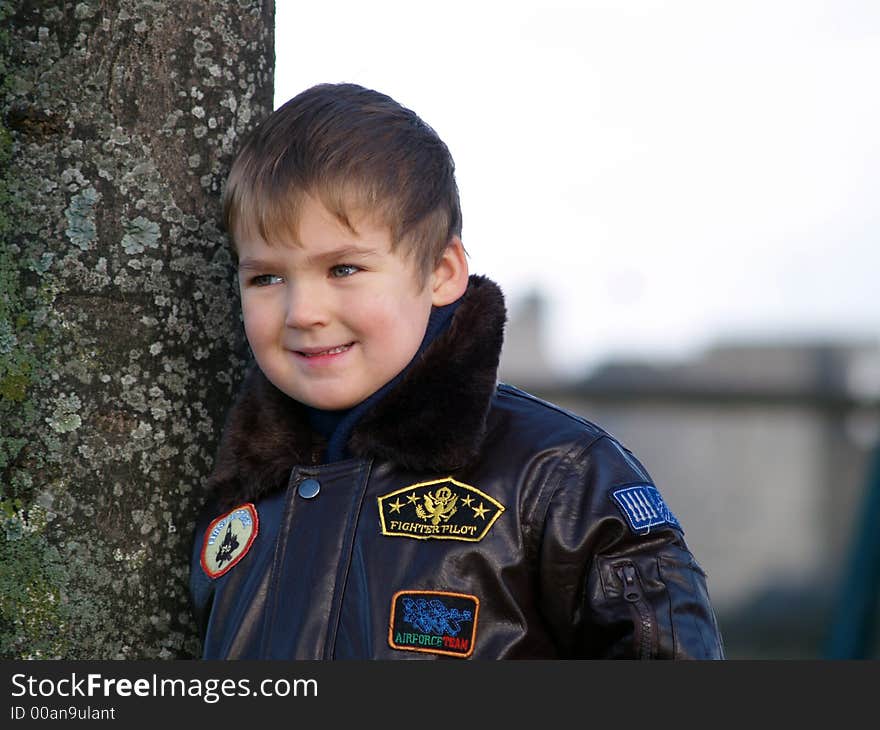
(313, 352)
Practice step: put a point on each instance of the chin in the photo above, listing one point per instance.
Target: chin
(331, 403)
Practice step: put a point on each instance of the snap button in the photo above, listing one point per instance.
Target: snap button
(309, 488)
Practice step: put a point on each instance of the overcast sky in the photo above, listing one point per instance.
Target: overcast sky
(667, 174)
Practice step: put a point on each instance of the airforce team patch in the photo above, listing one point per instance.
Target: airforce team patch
(442, 509)
(435, 622)
(644, 507)
(228, 538)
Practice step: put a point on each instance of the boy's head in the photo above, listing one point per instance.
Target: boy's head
(344, 213)
(357, 152)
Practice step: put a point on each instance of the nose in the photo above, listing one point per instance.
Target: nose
(307, 305)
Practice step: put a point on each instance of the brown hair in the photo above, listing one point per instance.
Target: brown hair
(354, 150)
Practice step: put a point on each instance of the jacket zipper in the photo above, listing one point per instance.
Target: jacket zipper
(632, 593)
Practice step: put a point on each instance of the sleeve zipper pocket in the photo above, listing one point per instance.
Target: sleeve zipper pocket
(644, 621)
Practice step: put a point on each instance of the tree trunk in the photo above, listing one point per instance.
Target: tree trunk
(120, 334)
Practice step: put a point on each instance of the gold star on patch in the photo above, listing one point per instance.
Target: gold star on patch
(480, 511)
(395, 505)
(412, 498)
(467, 500)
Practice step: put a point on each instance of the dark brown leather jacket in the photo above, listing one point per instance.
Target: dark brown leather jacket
(475, 521)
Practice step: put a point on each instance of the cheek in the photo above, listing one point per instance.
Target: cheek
(257, 320)
(400, 324)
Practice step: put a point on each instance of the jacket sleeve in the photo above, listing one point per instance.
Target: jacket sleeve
(201, 587)
(617, 579)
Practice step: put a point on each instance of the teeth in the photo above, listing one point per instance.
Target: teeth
(335, 350)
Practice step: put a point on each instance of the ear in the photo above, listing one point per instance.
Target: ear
(450, 277)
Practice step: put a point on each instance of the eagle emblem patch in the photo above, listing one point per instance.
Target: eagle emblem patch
(443, 509)
(228, 538)
(435, 622)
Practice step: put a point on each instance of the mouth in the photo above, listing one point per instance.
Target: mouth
(318, 352)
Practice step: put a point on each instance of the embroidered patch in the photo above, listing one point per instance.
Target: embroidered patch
(228, 538)
(644, 507)
(443, 509)
(435, 622)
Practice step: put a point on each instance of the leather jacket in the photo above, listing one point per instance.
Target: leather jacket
(473, 521)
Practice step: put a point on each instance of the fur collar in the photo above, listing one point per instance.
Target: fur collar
(433, 420)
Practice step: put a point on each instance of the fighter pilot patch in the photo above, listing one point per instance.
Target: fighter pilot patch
(228, 538)
(443, 509)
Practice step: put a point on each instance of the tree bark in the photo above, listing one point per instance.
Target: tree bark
(120, 335)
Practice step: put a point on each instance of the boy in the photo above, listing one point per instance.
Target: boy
(377, 494)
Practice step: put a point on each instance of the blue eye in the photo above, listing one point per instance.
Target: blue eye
(343, 270)
(265, 280)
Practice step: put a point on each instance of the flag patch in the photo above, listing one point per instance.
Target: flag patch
(435, 622)
(644, 507)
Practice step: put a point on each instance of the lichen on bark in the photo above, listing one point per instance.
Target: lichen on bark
(120, 338)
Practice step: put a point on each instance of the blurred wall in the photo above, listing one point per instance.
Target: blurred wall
(761, 451)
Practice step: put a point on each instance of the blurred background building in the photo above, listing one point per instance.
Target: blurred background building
(760, 449)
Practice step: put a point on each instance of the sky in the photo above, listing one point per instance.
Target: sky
(667, 175)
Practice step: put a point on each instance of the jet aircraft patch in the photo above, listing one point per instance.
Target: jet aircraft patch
(644, 507)
(443, 509)
(435, 622)
(228, 538)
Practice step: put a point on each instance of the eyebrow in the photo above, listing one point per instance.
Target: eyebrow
(337, 254)
(342, 253)
(253, 264)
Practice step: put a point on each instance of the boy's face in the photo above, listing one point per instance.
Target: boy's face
(332, 318)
